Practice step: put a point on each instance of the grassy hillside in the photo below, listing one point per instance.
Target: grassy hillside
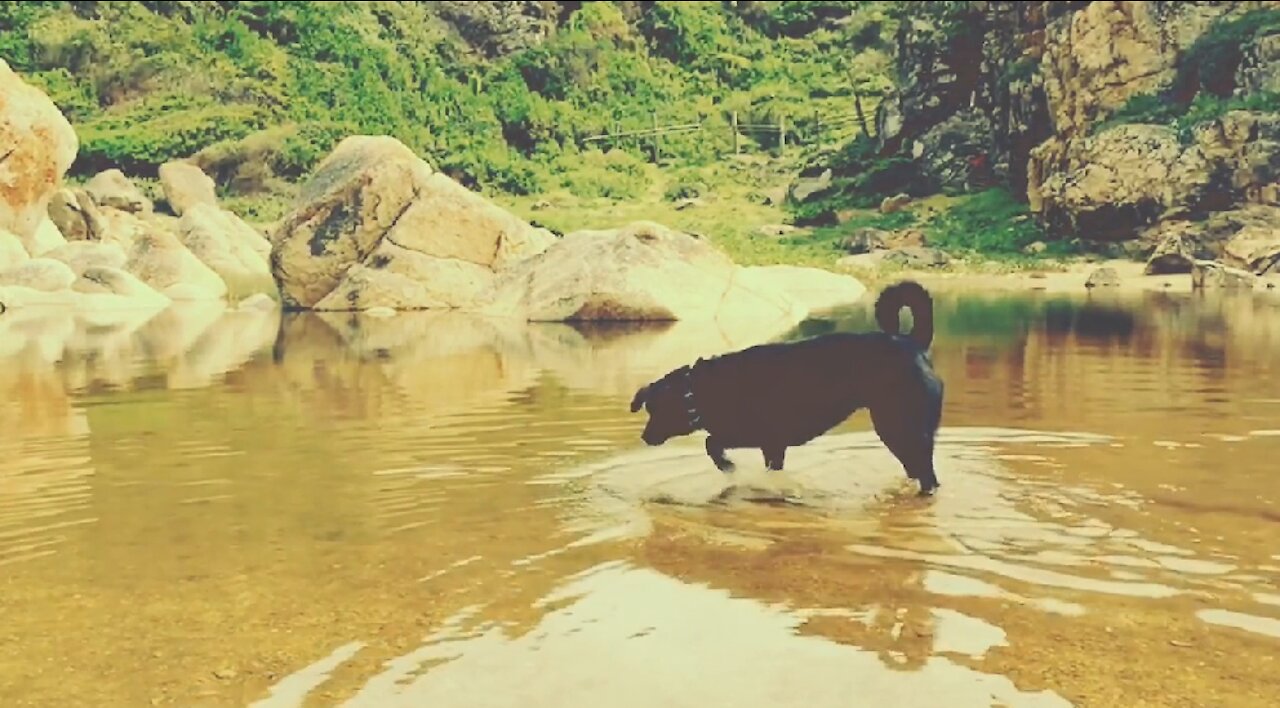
(264, 89)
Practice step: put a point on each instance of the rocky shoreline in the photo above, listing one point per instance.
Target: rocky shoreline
(374, 229)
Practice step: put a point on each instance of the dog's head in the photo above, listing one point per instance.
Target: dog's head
(670, 408)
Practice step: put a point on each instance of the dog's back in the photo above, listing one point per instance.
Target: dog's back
(790, 393)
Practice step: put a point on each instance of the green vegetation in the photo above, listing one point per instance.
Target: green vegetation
(1159, 109)
(1019, 71)
(861, 179)
(258, 92)
(275, 83)
(1210, 63)
(992, 223)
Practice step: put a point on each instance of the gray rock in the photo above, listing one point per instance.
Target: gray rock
(806, 188)
(1210, 275)
(917, 257)
(776, 230)
(864, 240)
(1103, 278)
(110, 188)
(894, 204)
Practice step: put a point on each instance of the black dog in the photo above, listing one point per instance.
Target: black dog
(775, 396)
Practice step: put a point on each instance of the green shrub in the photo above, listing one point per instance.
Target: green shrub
(1158, 109)
(146, 81)
(1206, 108)
(1155, 109)
(1019, 71)
(77, 100)
(686, 184)
(141, 142)
(614, 174)
(991, 223)
(861, 179)
(1210, 63)
(17, 18)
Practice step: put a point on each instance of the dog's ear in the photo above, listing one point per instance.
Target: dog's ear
(639, 399)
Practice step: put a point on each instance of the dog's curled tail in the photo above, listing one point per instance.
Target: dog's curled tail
(914, 297)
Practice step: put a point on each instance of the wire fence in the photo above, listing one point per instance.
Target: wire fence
(780, 132)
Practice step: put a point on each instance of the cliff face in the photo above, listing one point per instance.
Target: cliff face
(1108, 116)
(501, 28)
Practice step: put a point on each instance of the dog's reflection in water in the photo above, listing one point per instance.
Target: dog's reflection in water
(758, 495)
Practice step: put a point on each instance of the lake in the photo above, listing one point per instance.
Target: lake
(229, 508)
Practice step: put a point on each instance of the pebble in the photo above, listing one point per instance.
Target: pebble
(224, 674)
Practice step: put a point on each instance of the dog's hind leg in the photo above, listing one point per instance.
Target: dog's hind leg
(910, 440)
(774, 457)
(716, 452)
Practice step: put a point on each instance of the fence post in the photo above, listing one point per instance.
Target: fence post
(782, 134)
(862, 117)
(657, 140)
(733, 122)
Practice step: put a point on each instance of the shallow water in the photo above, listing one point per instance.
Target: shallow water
(231, 508)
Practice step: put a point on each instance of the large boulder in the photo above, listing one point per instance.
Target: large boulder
(82, 255)
(229, 246)
(161, 261)
(37, 147)
(404, 279)
(111, 188)
(43, 274)
(1113, 184)
(376, 227)
(647, 272)
(186, 185)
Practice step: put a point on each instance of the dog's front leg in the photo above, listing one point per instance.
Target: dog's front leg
(716, 452)
(774, 457)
